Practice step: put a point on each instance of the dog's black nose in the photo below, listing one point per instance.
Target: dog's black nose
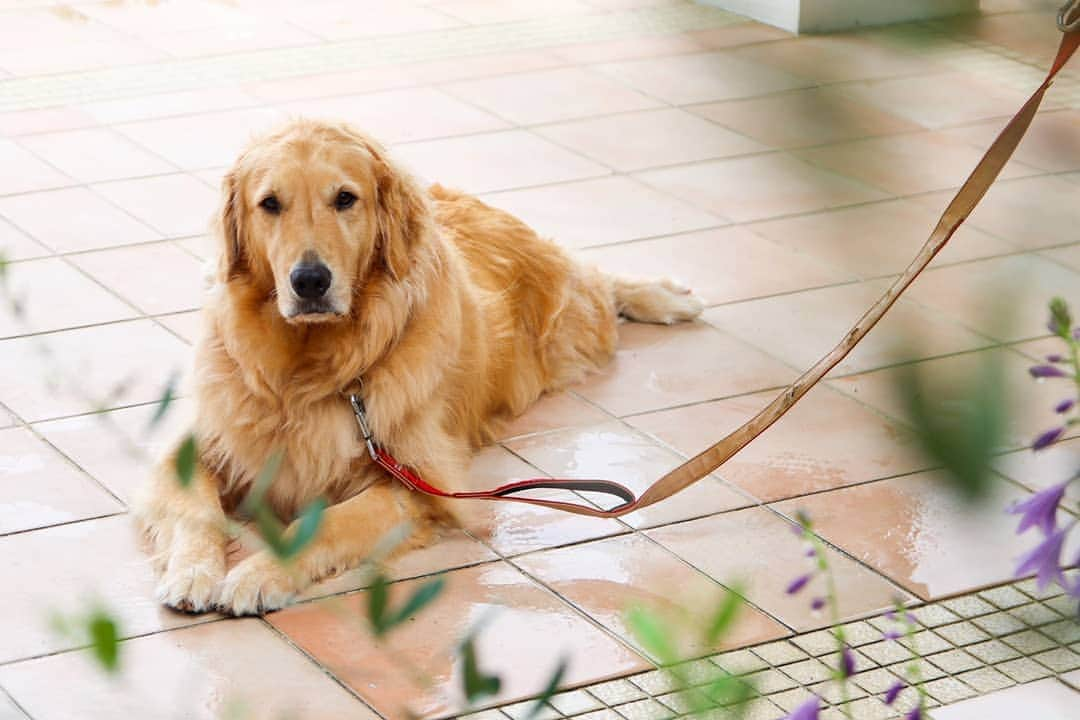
(310, 280)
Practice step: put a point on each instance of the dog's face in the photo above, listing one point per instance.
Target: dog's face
(310, 213)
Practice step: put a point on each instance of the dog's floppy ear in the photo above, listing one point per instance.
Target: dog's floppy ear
(230, 228)
(402, 212)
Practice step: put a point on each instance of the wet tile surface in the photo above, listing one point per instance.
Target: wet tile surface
(784, 179)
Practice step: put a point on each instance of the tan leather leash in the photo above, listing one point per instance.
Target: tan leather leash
(697, 467)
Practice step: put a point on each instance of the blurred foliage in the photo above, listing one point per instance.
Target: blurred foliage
(96, 628)
(382, 619)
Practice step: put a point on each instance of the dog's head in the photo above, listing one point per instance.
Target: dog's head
(311, 213)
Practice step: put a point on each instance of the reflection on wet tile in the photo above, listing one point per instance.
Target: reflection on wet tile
(606, 579)
(67, 569)
(921, 534)
(615, 452)
(826, 441)
(658, 366)
(802, 327)
(1042, 469)
(542, 627)
(759, 549)
(514, 528)
(38, 487)
(201, 673)
(551, 412)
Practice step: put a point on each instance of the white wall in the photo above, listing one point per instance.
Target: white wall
(829, 15)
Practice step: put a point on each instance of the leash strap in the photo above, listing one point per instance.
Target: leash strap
(699, 466)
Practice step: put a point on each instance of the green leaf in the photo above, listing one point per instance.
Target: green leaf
(104, 640)
(167, 397)
(732, 692)
(307, 525)
(1060, 318)
(961, 428)
(271, 530)
(550, 688)
(378, 597)
(653, 634)
(725, 615)
(186, 457)
(476, 683)
(254, 498)
(423, 596)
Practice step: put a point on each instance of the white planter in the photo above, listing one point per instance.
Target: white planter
(807, 16)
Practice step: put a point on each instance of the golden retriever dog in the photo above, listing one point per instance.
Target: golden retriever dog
(337, 267)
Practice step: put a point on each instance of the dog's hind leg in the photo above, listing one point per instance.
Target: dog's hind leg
(655, 301)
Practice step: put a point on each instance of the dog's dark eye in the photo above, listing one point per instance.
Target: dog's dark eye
(344, 200)
(270, 204)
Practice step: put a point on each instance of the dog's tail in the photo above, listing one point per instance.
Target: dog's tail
(655, 301)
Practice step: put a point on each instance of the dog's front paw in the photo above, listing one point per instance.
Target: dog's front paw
(190, 588)
(258, 584)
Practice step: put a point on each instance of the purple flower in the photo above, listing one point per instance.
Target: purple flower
(810, 552)
(892, 635)
(1046, 371)
(809, 710)
(1045, 560)
(799, 583)
(1055, 358)
(1076, 334)
(817, 603)
(1064, 406)
(1040, 510)
(1048, 438)
(893, 692)
(915, 714)
(847, 663)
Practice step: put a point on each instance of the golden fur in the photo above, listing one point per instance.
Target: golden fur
(454, 314)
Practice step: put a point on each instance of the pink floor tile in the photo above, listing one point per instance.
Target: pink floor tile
(202, 673)
(86, 370)
(721, 266)
(918, 532)
(39, 487)
(931, 100)
(118, 448)
(26, 122)
(77, 56)
(662, 366)
(477, 12)
(614, 452)
(814, 116)
(661, 137)
(704, 77)
(609, 578)
(52, 295)
(1068, 256)
(161, 105)
(553, 412)
(401, 115)
(17, 245)
(476, 66)
(187, 325)
(550, 95)
(157, 278)
(1051, 143)
(339, 19)
(67, 569)
(496, 161)
(1030, 213)
(513, 528)
(87, 222)
(878, 238)
(801, 327)
(826, 441)
(1028, 404)
(542, 626)
(174, 205)
(1004, 298)
(23, 172)
(366, 80)
(94, 155)
(599, 212)
(225, 39)
(200, 141)
(906, 164)
(839, 58)
(760, 187)
(758, 548)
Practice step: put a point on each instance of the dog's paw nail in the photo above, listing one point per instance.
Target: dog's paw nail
(255, 586)
(189, 589)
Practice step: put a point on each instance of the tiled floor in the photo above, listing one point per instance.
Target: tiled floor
(786, 179)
